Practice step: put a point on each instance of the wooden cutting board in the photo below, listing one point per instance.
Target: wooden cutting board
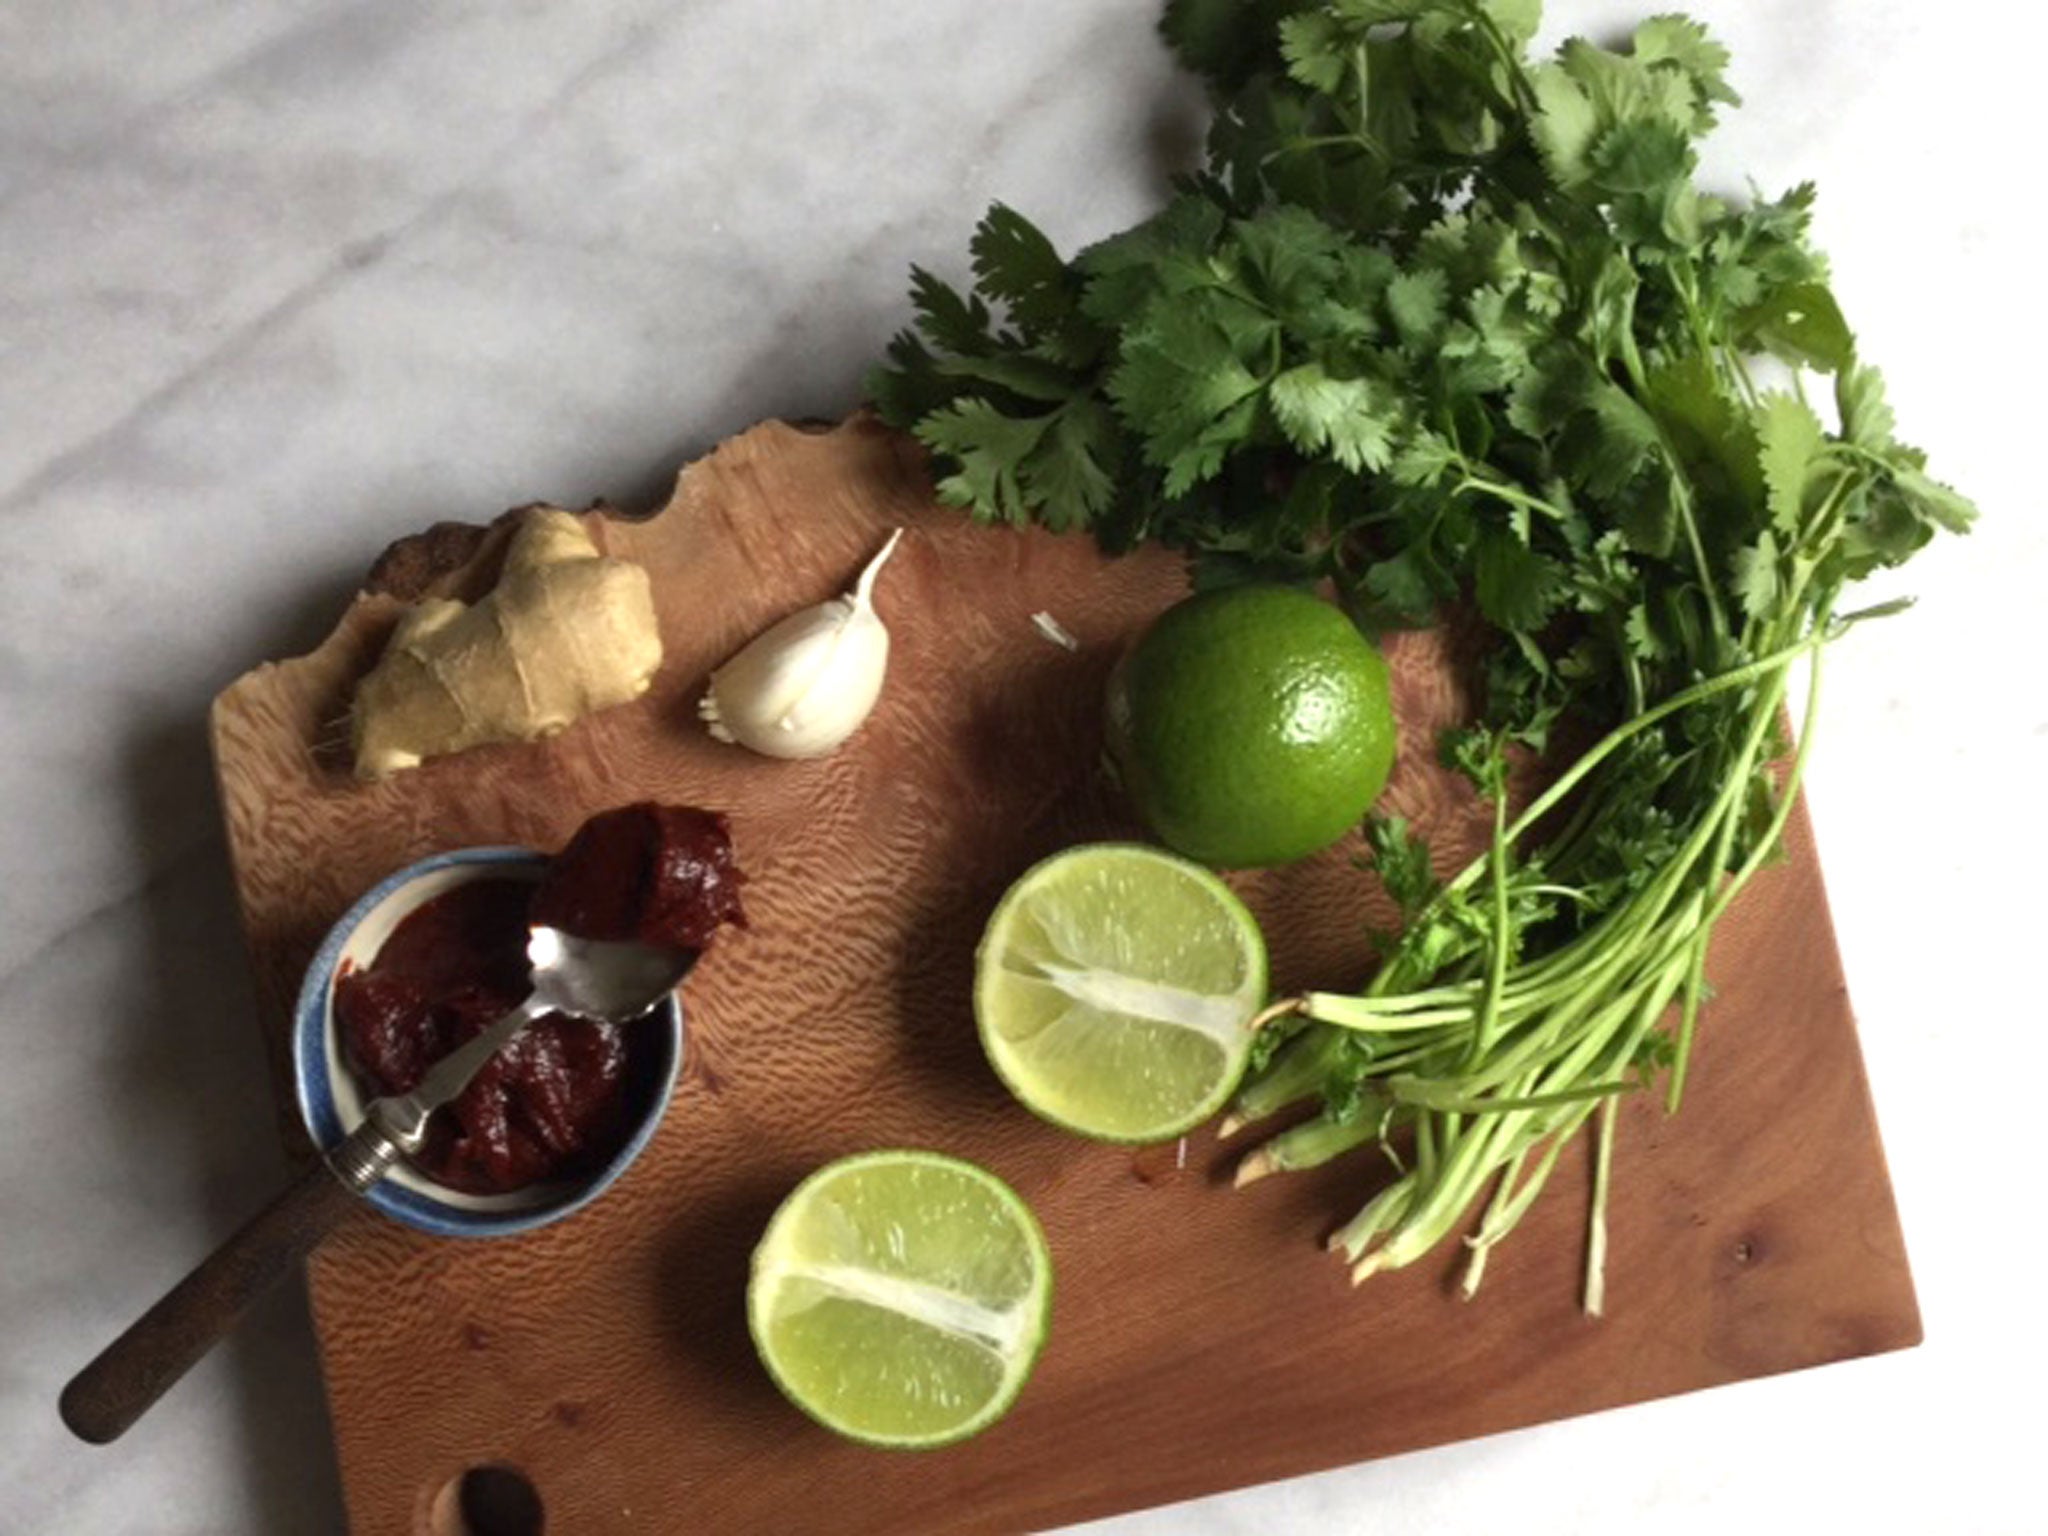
(1201, 1338)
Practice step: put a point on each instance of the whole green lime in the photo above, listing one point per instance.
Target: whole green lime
(1251, 725)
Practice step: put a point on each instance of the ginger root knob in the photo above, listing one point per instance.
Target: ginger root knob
(565, 632)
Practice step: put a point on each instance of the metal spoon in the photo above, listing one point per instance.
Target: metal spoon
(611, 983)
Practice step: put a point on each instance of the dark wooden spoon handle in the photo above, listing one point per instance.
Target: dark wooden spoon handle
(131, 1373)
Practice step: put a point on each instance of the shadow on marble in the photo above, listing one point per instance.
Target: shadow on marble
(196, 1092)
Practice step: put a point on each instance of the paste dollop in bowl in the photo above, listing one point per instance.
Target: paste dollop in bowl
(481, 1174)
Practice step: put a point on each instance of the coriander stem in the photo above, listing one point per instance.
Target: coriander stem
(1695, 984)
(1502, 491)
(1360, 1013)
(1569, 780)
(1787, 796)
(1504, 1213)
(1497, 960)
(1596, 1225)
(1385, 1209)
(1417, 1092)
(1313, 1143)
(1273, 1012)
(1296, 1073)
(1788, 793)
(1480, 1243)
(1681, 498)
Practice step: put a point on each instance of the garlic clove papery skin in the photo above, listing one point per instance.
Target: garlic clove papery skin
(805, 685)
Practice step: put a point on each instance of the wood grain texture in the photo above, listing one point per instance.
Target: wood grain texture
(1201, 1339)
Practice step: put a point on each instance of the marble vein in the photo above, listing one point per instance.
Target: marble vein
(532, 125)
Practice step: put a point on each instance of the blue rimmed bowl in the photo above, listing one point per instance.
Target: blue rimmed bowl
(331, 1102)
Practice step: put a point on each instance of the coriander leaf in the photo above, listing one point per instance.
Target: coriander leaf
(1416, 302)
(1789, 441)
(1365, 14)
(1518, 20)
(1708, 430)
(1626, 90)
(1566, 125)
(1802, 324)
(1316, 50)
(954, 322)
(1618, 439)
(1938, 503)
(1353, 418)
(1393, 114)
(1642, 155)
(1476, 753)
(1068, 474)
(1444, 325)
(1490, 349)
(1683, 44)
(1884, 529)
(1643, 640)
(1185, 385)
(1603, 579)
(1611, 310)
(1558, 385)
(989, 450)
(1291, 257)
(908, 386)
(1516, 588)
(1225, 41)
(1422, 459)
(1031, 377)
(1756, 576)
(1475, 250)
(1647, 515)
(1679, 219)
(1363, 273)
(1015, 263)
(1170, 253)
(1404, 588)
(1401, 860)
(1867, 419)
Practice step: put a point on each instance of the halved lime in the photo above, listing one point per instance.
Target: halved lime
(901, 1297)
(1113, 988)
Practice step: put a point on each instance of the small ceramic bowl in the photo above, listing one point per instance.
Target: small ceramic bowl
(331, 1102)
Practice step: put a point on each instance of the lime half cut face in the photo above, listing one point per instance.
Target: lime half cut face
(901, 1298)
(1114, 988)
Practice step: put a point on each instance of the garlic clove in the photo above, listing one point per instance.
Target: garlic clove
(804, 685)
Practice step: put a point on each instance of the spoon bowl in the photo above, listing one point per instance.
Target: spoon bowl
(593, 979)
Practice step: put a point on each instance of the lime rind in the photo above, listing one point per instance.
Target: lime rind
(1113, 985)
(819, 1288)
(1251, 725)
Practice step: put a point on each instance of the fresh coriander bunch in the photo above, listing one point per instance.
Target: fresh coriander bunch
(1455, 329)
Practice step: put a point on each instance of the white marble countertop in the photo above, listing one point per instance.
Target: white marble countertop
(282, 279)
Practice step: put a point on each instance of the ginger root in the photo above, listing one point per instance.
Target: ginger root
(565, 632)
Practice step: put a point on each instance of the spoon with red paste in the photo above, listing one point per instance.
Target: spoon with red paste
(616, 923)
